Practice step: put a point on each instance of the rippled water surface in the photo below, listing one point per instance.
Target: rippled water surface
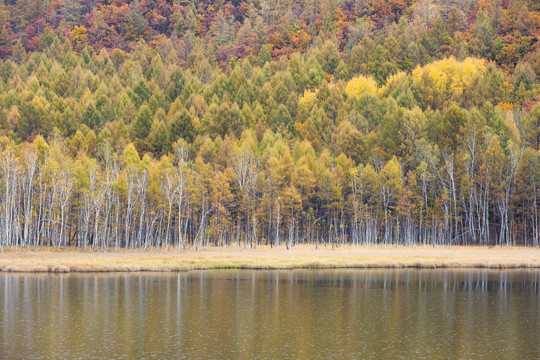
(338, 314)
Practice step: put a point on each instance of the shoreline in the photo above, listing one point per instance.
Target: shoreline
(48, 260)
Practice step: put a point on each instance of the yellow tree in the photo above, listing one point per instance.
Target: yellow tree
(221, 196)
(391, 186)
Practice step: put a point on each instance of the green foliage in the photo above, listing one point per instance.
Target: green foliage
(143, 122)
(160, 140)
(398, 114)
(484, 43)
(451, 128)
(182, 127)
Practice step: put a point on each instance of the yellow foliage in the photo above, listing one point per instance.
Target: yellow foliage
(512, 127)
(80, 36)
(359, 85)
(505, 106)
(449, 75)
(308, 99)
(392, 82)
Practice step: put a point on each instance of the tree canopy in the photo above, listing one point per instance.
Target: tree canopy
(161, 123)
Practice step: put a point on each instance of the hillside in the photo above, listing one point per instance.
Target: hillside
(159, 123)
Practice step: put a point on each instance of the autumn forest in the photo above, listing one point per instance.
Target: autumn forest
(187, 124)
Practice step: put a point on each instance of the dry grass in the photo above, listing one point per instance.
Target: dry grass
(72, 260)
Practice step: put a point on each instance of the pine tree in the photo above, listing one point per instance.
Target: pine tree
(143, 123)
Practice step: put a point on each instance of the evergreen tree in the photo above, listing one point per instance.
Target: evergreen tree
(485, 43)
(143, 122)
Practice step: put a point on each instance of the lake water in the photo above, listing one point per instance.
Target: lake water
(337, 314)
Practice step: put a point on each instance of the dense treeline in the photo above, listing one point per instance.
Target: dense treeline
(143, 124)
(409, 31)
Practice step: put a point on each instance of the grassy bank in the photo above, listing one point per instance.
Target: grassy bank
(71, 260)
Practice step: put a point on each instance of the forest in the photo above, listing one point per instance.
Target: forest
(187, 124)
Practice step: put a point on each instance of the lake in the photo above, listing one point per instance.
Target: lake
(298, 314)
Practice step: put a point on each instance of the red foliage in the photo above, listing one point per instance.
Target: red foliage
(387, 11)
(529, 104)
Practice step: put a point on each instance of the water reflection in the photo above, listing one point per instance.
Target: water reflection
(431, 314)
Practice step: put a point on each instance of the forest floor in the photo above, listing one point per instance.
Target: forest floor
(299, 257)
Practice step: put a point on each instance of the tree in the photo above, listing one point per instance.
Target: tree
(33, 119)
(531, 127)
(19, 54)
(484, 42)
(182, 127)
(160, 140)
(80, 37)
(143, 123)
(283, 120)
(264, 56)
(91, 117)
(446, 79)
(330, 57)
(246, 169)
(454, 120)
(391, 185)
(440, 37)
(360, 85)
